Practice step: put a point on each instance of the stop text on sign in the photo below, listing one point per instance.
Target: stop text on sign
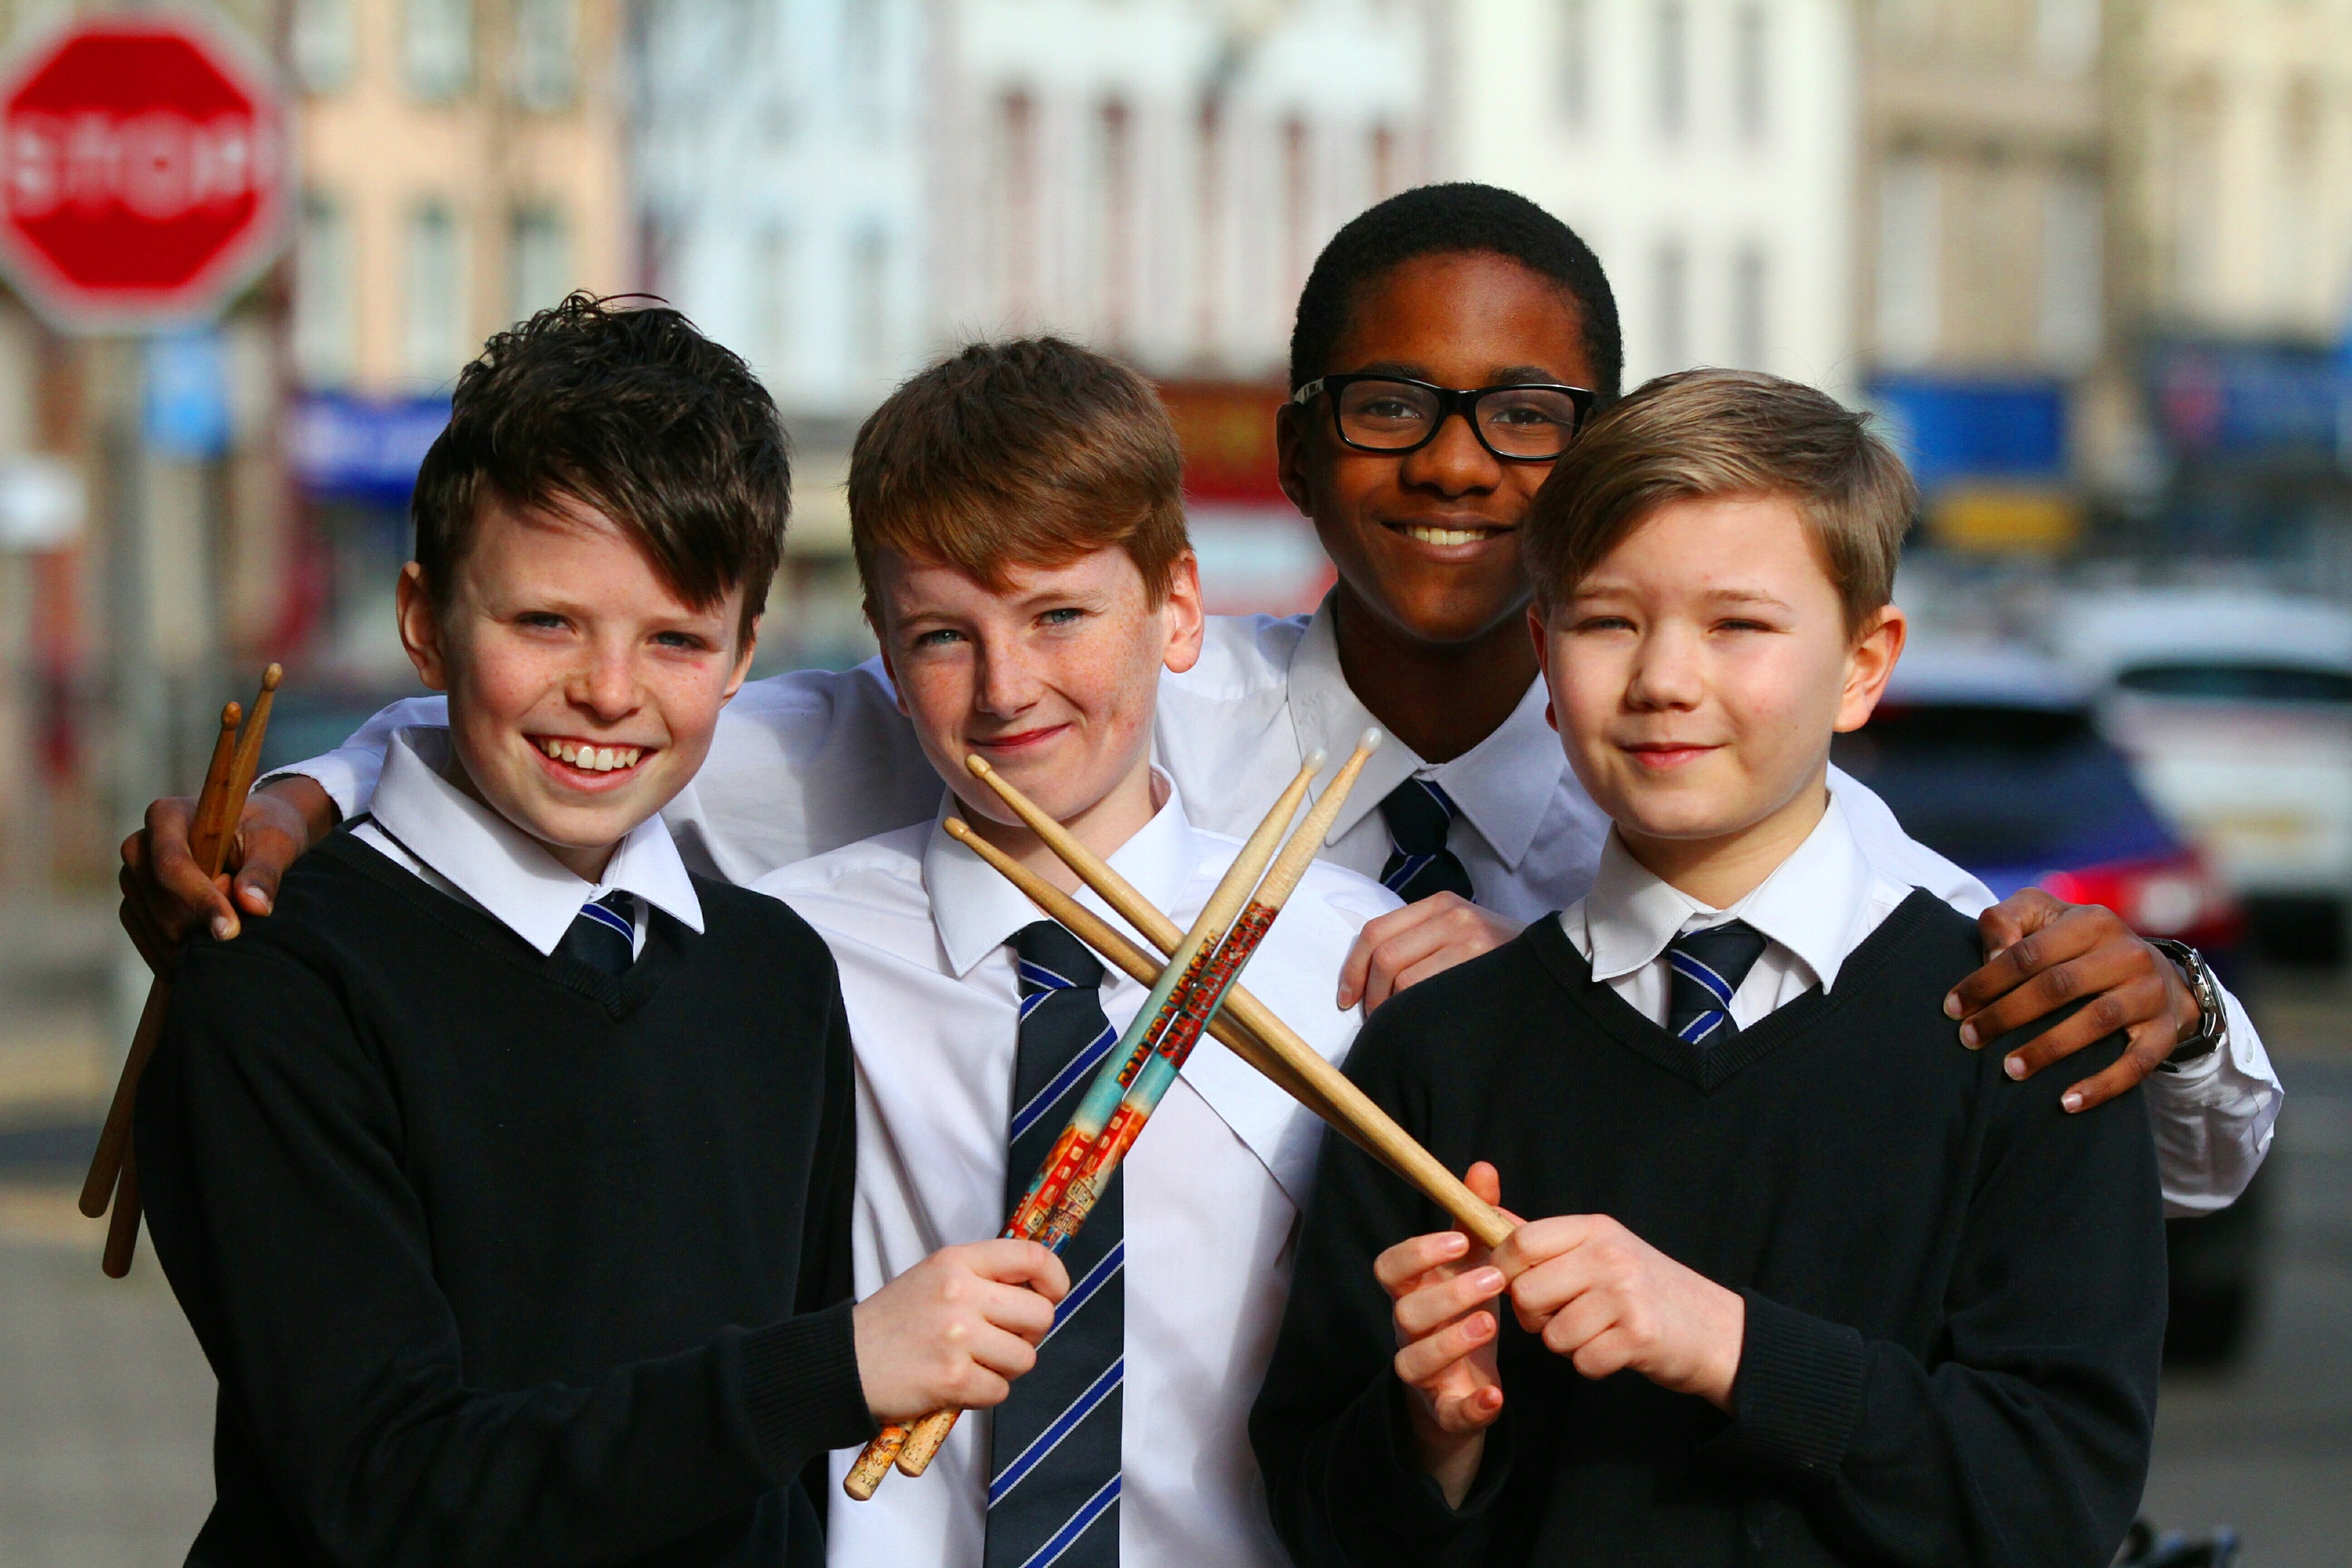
(159, 164)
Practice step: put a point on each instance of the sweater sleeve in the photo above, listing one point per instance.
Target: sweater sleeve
(1329, 1426)
(2026, 1436)
(281, 1212)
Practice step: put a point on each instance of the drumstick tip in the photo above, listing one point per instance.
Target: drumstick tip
(271, 677)
(1312, 763)
(1369, 740)
(978, 765)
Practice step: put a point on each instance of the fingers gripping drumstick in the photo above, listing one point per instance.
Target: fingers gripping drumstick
(228, 779)
(1065, 1190)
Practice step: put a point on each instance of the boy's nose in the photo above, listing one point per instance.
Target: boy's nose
(1666, 673)
(1454, 463)
(607, 687)
(1007, 684)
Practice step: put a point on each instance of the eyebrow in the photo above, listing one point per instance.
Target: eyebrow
(1507, 375)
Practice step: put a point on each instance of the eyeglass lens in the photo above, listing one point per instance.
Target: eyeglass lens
(1517, 421)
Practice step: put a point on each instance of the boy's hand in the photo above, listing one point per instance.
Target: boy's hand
(165, 894)
(1414, 942)
(1445, 1344)
(2044, 954)
(1607, 1300)
(954, 1332)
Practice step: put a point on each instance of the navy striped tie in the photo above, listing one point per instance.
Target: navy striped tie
(603, 935)
(1419, 815)
(1707, 967)
(1053, 1490)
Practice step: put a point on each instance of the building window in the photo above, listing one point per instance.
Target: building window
(1671, 305)
(538, 260)
(1384, 161)
(436, 47)
(870, 319)
(546, 53)
(1209, 133)
(433, 340)
(862, 42)
(2198, 197)
(1014, 211)
(1751, 68)
(2065, 37)
(1115, 211)
(1298, 208)
(1673, 67)
(2069, 330)
(322, 36)
(1910, 270)
(772, 302)
(326, 315)
(1751, 283)
(1576, 62)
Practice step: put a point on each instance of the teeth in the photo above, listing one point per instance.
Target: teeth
(592, 759)
(1446, 535)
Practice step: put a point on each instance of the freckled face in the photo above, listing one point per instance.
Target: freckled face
(583, 692)
(1428, 541)
(1052, 680)
(1697, 674)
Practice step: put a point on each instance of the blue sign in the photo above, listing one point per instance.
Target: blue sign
(185, 407)
(354, 448)
(1954, 428)
(2251, 400)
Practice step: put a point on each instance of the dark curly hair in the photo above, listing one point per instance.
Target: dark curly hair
(1452, 219)
(627, 409)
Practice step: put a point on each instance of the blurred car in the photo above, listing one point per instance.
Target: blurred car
(2236, 710)
(1995, 758)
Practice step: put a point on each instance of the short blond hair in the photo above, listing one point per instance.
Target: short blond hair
(1030, 452)
(1702, 434)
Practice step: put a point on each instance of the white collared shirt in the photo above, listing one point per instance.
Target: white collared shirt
(1813, 910)
(424, 823)
(807, 762)
(919, 924)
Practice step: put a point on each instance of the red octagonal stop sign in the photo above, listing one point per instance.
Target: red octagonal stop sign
(142, 168)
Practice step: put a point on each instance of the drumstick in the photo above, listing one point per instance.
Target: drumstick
(1113, 945)
(106, 1161)
(1396, 1147)
(213, 838)
(1050, 1197)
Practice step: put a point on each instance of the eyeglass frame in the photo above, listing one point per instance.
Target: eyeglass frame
(1450, 401)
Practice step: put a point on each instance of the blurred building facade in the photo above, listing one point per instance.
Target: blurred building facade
(463, 165)
(1705, 148)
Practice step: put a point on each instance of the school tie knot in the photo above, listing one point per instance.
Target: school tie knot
(1419, 815)
(1051, 960)
(603, 935)
(1707, 967)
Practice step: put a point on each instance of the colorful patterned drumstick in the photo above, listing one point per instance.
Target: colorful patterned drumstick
(912, 1448)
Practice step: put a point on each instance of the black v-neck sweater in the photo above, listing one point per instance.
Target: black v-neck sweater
(1954, 1291)
(501, 1259)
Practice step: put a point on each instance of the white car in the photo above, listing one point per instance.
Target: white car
(2236, 709)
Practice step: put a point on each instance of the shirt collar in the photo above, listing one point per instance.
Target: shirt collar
(1809, 904)
(499, 865)
(1504, 784)
(977, 911)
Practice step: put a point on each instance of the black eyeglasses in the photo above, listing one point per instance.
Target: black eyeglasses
(1395, 414)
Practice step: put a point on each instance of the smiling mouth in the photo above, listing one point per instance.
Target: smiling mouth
(589, 758)
(1430, 534)
(1018, 740)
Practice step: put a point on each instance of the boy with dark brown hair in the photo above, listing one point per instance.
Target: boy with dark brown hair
(505, 1172)
(1813, 1287)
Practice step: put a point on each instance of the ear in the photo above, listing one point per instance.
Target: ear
(1542, 636)
(1291, 451)
(1186, 621)
(1868, 666)
(420, 629)
(743, 660)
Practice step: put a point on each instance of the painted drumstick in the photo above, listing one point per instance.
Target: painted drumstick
(1365, 1121)
(911, 1448)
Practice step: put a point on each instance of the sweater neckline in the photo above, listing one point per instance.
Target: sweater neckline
(619, 995)
(1708, 1069)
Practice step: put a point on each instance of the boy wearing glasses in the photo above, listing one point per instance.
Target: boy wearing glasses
(1471, 814)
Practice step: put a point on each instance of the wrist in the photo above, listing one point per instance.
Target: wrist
(1726, 1339)
(1449, 1458)
(2206, 1024)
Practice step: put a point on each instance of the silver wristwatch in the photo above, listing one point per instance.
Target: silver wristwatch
(2212, 1024)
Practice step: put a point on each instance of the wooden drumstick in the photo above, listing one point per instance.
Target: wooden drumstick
(106, 1161)
(1052, 1193)
(210, 845)
(1368, 1122)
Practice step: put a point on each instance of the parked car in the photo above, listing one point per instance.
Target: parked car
(1995, 758)
(2236, 710)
